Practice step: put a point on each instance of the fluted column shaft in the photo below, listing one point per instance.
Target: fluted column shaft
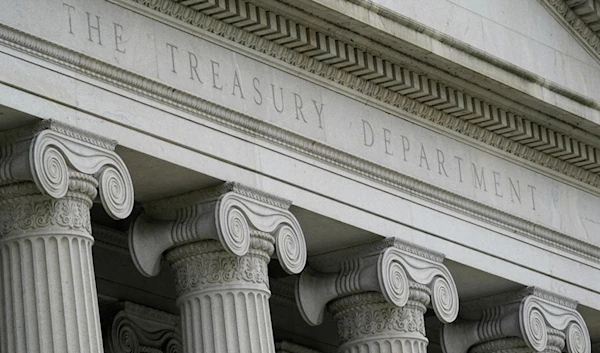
(47, 286)
(49, 173)
(219, 242)
(223, 298)
(368, 323)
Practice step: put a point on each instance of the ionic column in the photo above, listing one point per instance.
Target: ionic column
(218, 242)
(378, 293)
(528, 320)
(49, 174)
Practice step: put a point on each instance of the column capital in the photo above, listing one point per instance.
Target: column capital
(229, 213)
(531, 317)
(131, 327)
(49, 153)
(388, 266)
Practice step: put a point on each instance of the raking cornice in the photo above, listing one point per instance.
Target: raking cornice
(165, 94)
(566, 12)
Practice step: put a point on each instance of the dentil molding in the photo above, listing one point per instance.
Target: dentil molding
(531, 318)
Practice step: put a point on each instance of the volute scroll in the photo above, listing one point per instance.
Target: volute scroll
(531, 318)
(229, 213)
(47, 152)
(387, 267)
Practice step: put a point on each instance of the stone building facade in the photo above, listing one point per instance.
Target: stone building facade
(299, 176)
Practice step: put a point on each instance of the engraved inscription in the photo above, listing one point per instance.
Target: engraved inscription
(290, 98)
(230, 79)
(96, 29)
(448, 164)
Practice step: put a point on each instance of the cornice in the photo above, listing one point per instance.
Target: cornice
(478, 53)
(164, 94)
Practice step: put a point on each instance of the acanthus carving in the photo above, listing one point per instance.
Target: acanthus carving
(132, 328)
(38, 212)
(49, 157)
(209, 266)
(390, 271)
(231, 218)
(536, 320)
(369, 314)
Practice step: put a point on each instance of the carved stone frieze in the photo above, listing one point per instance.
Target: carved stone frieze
(190, 103)
(37, 211)
(130, 328)
(346, 64)
(207, 265)
(378, 293)
(531, 318)
(219, 242)
(368, 314)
